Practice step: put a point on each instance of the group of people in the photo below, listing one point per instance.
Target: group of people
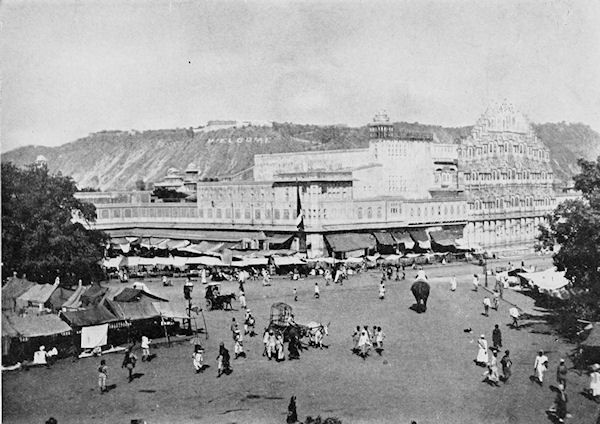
(364, 339)
(273, 345)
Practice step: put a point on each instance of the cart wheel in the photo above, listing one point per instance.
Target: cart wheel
(209, 304)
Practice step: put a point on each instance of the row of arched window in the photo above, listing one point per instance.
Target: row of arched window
(508, 174)
(510, 202)
(506, 147)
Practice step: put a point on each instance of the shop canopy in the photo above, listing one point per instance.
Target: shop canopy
(12, 290)
(132, 311)
(204, 260)
(420, 237)
(35, 325)
(549, 279)
(37, 294)
(350, 242)
(171, 310)
(402, 237)
(95, 315)
(287, 260)
(136, 295)
(593, 339)
(385, 239)
(249, 261)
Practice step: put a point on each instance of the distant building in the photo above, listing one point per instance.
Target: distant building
(507, 177)
(41, 160)
(184, 182)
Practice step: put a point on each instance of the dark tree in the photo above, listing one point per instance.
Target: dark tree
(575, 226)
(168, 194)
(39, 237)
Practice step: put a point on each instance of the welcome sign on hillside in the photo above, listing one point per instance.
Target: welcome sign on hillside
(239, 140)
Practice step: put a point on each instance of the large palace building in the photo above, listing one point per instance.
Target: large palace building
(508, 179)
(491, 190)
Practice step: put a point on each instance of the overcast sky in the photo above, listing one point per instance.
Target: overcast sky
(71, 68)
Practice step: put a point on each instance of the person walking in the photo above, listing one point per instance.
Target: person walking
(506, 366)
(496, 300)
(364, 344)
(475, 282)
(145, 348)
(379, 337)
(233, 327)
(129, 362)
(265, 341)
(594, 388)
(198, 359)
(271, 342)
(561, 373)
(482, 352)
(486, 306)
(243, 300)
(102, 376)
(317, 291)
(540, 366)
(493, 375)
(514, 314)
(381, 291)
(238, 347)
(560, 404)
(327, 276)
(223, 364)
(249, 323)
(355, 339)
(453, 283)
(497, 336)
(295, 295)
(279, 351)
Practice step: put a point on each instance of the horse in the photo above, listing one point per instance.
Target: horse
(316, 332)
(225, 300)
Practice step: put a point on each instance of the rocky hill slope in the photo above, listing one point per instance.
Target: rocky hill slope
(117, 159)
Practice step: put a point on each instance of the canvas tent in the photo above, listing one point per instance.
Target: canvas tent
(549, 281)
(30, 326)
(14, 288)
(95, 315)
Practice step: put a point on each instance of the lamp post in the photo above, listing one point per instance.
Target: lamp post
(485, 269)
(187, 294)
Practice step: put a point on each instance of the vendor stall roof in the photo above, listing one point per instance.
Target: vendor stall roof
(35, 325)
(350, 241)
(91, 316)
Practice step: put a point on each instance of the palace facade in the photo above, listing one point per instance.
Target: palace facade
(490, 190)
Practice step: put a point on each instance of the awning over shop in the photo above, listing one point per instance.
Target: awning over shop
(171, 310)
(385, 239)
(37, 294)
(249, 261)
(287, 260)
(132, 311)
(35, 325)
(129, 294)
(443, 238)
(350, 241)
(91, 316)
(549, 279)
(402, 237)
(114, 262)
(420, 237)
(204, 260)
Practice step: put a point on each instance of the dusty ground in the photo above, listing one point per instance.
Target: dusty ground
(426, 372)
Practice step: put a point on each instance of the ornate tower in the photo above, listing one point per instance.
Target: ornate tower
(381, 128)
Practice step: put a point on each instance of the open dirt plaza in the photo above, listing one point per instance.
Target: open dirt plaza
(426, 372)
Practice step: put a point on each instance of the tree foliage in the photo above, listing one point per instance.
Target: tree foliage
(38, 235)
(575, 226)
(168, 194)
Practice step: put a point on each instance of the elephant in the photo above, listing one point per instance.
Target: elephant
(420, 290)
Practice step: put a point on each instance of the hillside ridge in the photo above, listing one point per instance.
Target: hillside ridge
(115, 160)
